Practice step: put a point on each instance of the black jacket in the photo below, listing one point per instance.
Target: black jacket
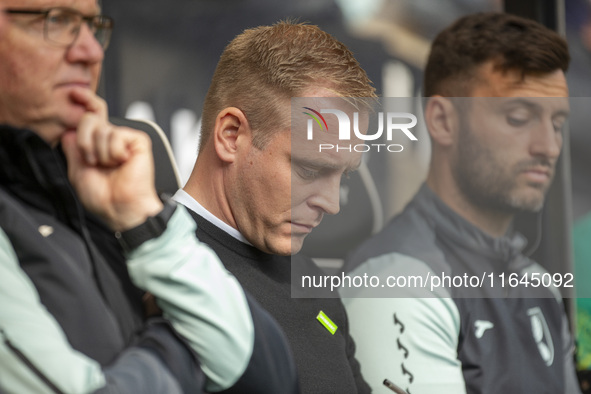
(80, 274)
(484, 334)
(75, 262)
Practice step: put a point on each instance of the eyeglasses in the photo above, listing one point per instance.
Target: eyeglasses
(62, 26)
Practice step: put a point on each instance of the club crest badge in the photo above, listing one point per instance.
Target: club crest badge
(541, 334)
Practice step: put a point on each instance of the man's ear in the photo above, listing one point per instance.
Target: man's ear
(442, 120)
(230, 124)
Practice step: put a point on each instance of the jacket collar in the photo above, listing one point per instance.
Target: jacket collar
(454, 228)
(31, 169)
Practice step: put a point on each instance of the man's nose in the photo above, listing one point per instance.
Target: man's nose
(546, 141)
(327, 198)
(86, 48)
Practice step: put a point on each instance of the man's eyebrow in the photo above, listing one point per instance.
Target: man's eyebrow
(324, 165)
(535, 106)
(523, 102)
(318, 164)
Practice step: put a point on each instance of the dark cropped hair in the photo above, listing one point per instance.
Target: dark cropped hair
(513, 42)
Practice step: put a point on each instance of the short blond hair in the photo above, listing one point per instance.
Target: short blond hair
(267, 65)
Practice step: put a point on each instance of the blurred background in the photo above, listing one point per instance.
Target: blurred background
(163, 54)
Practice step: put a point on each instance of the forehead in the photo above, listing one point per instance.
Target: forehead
(556, 108)
(81, 5)
(492, 82)
(312, 111)
(308, 152)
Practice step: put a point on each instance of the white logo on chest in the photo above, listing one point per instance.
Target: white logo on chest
(480, 326)
(45, 230)
(541, 334)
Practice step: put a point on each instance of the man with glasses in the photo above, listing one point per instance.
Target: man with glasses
(71, 186)
(62, 25)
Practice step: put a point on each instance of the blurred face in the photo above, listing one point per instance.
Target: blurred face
(37, 77)
(283, 190)
(509, 139)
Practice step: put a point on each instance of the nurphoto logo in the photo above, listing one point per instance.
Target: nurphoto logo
(395, 122)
